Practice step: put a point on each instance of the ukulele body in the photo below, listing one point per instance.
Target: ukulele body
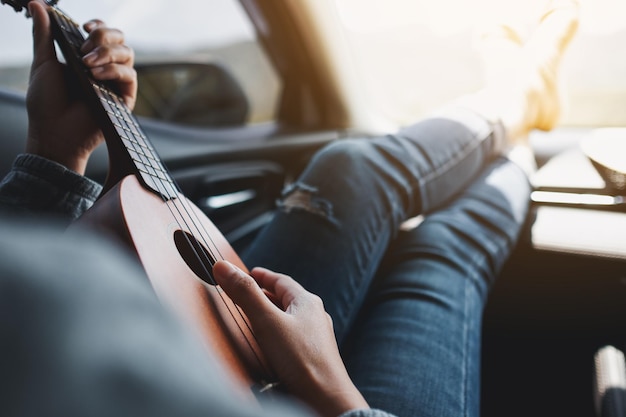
(158, 232)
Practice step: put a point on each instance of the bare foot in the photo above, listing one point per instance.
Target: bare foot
(522, 88)
(544, 53)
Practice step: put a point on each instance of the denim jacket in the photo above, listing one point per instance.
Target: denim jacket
(37, 186)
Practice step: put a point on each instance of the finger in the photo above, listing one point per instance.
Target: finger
(243, 290)
(93, 24)
(101, 35)
(109, 54)
(43, 42)
(114, 72)
(285, 289)
(288, 293)
(115, 63)
(124, 77)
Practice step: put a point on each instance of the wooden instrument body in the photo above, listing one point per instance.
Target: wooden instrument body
(148, 226)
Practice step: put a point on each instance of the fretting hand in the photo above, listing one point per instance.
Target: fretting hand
(61, 127)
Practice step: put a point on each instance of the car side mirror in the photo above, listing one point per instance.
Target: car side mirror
(196, 94)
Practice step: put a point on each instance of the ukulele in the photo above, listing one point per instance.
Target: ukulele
(174, 241)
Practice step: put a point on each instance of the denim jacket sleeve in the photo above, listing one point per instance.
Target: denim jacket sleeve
(36, 185)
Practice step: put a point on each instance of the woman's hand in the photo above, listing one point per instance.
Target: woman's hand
(61, 127)
(296, 335)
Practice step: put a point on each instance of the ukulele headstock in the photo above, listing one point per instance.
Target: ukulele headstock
(19, 5)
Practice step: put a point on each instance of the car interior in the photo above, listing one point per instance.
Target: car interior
(235, 120)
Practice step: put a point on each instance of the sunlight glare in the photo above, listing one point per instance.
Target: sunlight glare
(442, 17)
(449, 17)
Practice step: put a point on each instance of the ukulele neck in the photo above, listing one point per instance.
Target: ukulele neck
(130, 150)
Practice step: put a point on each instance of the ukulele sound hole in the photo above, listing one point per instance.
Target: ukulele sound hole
(195, 255)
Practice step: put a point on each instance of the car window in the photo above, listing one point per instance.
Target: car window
(215, 32)
(416, 55)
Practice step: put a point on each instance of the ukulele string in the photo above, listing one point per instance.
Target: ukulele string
(68, 26)
(187, 220)
(189, 217)
(189, 210)
(185, 217)
(212, 249)
(136, 147)
(179, 200)
(167, 190)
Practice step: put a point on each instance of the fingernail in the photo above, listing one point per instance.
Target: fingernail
(90, 25)
(90, 58)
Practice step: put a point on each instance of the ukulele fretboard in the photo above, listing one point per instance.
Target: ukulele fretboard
(137, 145)
(141, 153)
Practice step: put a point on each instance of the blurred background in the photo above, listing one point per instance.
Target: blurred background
(413, 55)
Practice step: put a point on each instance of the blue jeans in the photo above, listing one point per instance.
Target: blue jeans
(406, 305)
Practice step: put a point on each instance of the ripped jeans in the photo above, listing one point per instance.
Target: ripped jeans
(406, 303)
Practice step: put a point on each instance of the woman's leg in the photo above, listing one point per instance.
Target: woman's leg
(334, 225)
(415, 347)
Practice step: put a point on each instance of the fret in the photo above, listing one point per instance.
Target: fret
(70, 29)
(139, 149)
(130, 135)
